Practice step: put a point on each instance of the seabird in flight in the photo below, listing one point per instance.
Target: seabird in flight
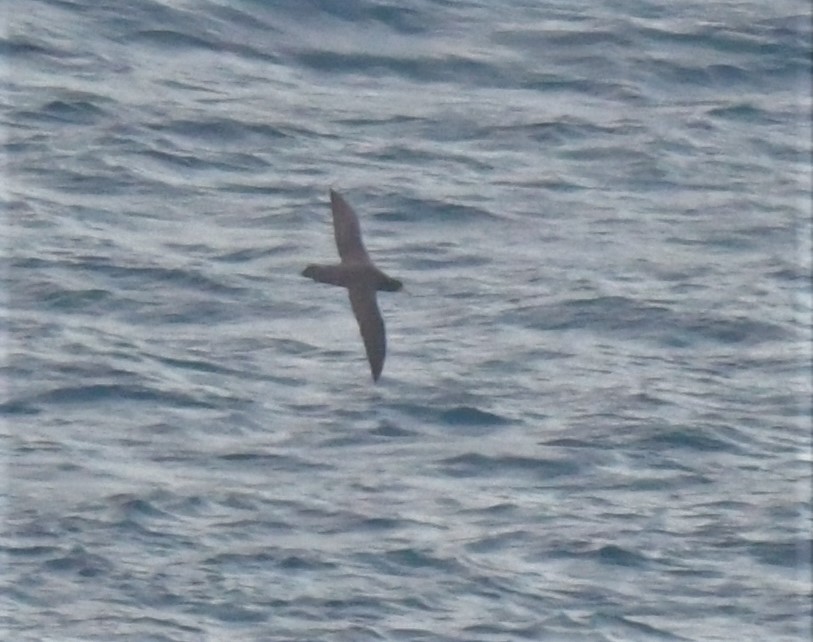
(362, 279)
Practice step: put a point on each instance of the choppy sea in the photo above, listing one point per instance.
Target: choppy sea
(594, 418)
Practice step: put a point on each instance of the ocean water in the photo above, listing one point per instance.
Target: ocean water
(594, 418)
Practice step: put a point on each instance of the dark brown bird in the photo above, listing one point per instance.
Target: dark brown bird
(362, 279)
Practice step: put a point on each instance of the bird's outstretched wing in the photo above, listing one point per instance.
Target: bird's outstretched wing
(347, 231)
(365, 307)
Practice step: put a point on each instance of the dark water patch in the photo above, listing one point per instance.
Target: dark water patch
(139, 529)
(570, 442)
(390, 430)
(451, 262)
(793, 554)
(447, 68)
(500, 541)
(169, 624)
(220, 161)
(741, 111)
(542, 40)
(602, 312)
(73, 180)
(365, 15)
(619, 556)
(720, 506)
(249, 254)
(291, 347)
(477, 465)
(80, 562)
(717, 76)
(198, 250)
(195, 505)
(551, 183)
(70, 111)
(347, 440)
(499, 509)
(172, 40)
(736, 330)
(795, 274)
(691, 439)
(285, 560)
(233, 612)
(628, 317)
(272, 461)
(272, 189)
(635, 161)
(761, 40)
(433, 211)
(400, 19)
(662, 483)
(647, 399)
(76, 300)
(135, 508)
(197, 365)
(241, 162)
(593, 88)
(18, 407)
(177, 42)
(414, 155)
(589, 39)
(178, 160)
(116, 393)
(374, 120)
(505, 631)
(31, 551)
(220, 130)
(615, 627)
(396, 152)
(379, 524)
(565, 130)
(25, 46)
(301, 563)
(412, 558)
(141, 275)
(753, 237)
(469, 416)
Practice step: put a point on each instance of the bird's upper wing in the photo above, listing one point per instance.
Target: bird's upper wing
(365, 307)
(347, 231)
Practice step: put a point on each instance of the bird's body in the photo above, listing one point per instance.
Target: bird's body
(348, 275)
(362, 279)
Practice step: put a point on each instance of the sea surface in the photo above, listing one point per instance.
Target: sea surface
(594, 418)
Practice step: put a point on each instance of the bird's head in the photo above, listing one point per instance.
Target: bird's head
(390, 285)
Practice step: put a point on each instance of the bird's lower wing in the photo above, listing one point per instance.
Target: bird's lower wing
(365, 308)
